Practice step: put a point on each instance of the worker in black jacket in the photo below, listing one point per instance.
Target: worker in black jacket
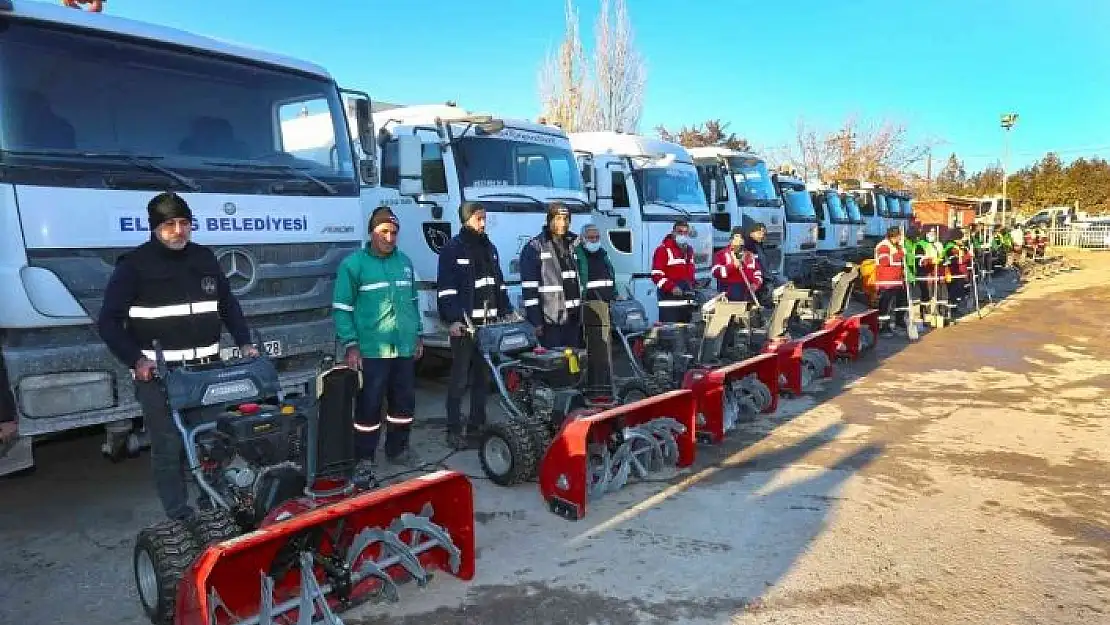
(549, 281)
(173, 291)
(471, 286)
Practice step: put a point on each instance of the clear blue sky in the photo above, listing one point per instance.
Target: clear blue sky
(946, 68)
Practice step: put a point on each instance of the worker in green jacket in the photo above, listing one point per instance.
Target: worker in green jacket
(378, 323)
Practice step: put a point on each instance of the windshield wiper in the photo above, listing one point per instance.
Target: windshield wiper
(568, 199)
(304, 175)
(520, 195)
(144, 161)
(671, 206)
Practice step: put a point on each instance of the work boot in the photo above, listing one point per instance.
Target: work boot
(365, 471)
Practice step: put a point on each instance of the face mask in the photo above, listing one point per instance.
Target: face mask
(931, 238)
(592, 246)
(682, 239)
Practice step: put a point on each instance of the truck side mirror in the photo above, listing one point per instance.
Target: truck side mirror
(364, 128)
(409, 166)
(605, 184)
(587, 175)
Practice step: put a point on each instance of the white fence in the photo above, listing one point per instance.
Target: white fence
(1092, 236)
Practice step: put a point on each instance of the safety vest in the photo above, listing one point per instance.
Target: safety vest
(176, 302)
(929, 258)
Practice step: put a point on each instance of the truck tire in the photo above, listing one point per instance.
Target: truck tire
(7, 400)
(163, 553)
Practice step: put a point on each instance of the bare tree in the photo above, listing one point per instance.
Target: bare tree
(620, 70)
(567, 95)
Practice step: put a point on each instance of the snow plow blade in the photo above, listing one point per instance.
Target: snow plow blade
(856, 334)
(307, 568)
(722, 394)
(803, 361)
(601, 452)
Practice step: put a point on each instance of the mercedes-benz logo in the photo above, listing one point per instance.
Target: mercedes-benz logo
(239, 268)
(229, 208)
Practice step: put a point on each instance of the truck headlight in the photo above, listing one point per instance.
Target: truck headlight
(55, 394)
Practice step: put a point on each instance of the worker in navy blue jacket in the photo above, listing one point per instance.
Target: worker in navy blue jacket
(549, 281)
(470, 283)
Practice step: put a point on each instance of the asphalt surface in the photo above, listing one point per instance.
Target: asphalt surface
(962, 478)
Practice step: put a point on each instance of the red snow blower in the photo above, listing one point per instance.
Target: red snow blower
(601, 451)
(284, 531)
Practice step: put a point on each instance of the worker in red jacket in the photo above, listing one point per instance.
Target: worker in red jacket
(737, 270)
(890, 281)
(672, 271)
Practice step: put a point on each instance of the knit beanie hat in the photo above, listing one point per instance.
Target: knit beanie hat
(166, 206)
(467, 209)
(556, 208)
(383, 215)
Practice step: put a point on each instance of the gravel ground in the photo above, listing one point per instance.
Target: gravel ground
(963, 478)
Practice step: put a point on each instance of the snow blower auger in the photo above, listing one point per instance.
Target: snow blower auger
(724, 394)
(597, 453)
(313, 565)
(853, 334)
(804, 360)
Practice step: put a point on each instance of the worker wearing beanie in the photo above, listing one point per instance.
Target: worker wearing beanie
(173, 291)
(471, 288)
(377, 319)
(549, 282)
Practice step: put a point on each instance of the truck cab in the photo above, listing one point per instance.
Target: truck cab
(639, 187)
(741, 193)
(799, 248)
(435, 157)
(857, 229)
(833, 224)
(874, 209)
(97, 115)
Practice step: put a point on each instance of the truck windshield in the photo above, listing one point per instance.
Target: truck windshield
(677, 184)
(91, 110)
(753, 182)
(799, 207)
(852, 207)
(907, 208)
(881, 204)
(892, 206)
(837, 212)
(866, 203)
(497, 162)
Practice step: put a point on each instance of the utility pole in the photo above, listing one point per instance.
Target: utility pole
(1008, 121)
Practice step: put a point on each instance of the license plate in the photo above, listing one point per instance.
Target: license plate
(272, 349)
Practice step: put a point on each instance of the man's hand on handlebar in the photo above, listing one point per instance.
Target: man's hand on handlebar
(144, 369)
(248, 351)
(456, 328)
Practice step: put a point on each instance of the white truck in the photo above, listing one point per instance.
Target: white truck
(799, 249)
(97, 115)
(858, 227)
(435, 157)
(739, 188)
(834, 227)
(639, 187)
(875, 210)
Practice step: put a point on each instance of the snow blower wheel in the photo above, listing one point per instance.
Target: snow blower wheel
(508, 452)
(163, 553)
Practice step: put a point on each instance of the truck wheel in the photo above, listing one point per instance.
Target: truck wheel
(115, 448)
(508, 452)
(163, 553)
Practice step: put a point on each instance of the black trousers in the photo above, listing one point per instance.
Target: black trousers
(889, 299)
(468, 369)
(167, 449)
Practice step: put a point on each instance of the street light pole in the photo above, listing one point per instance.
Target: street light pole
(1008, 121)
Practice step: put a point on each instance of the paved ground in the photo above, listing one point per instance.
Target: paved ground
(960, 479)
